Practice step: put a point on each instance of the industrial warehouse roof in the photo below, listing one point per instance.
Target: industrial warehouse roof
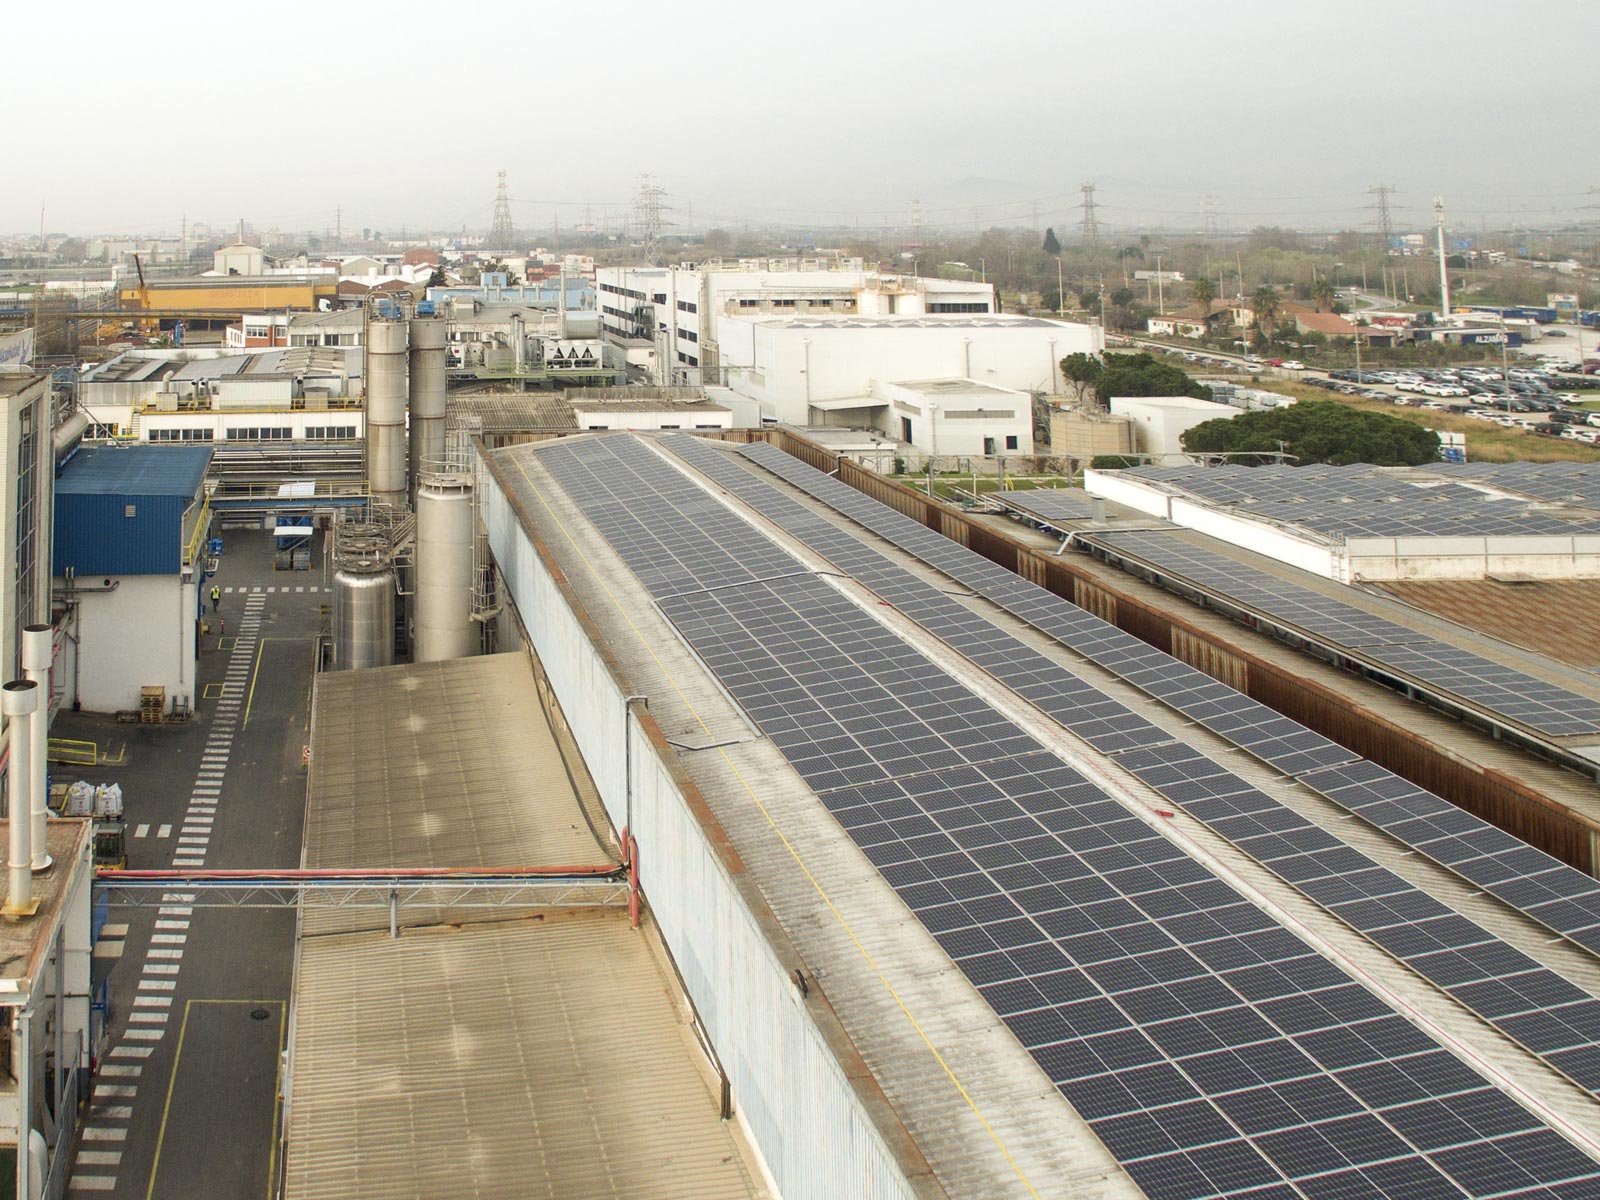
(1556, 617)
(478, 1054)
(446, 764)
(643, 406)
(1363, 501)
(1035, 774)
(135, 471)
(543, 1060)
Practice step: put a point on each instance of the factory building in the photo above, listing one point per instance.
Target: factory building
(801, 368)
(1367, 524)
(666, 318)
(1158, 423)
(974, 893)
(130, 530)
(219, 295)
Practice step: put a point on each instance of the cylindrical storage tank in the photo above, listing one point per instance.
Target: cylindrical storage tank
(363, 613)
(446, 531)
(427, 397)
(386, 410)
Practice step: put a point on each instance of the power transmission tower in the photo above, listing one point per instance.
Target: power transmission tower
(1091, 223)
(916, 222)
(501, 236)
(1383, 221)
(647, 215)
(1208, 218)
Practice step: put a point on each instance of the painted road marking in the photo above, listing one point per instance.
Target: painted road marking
(152, 1001)
(99, 1158)
(112, 1090)
(108, 949)
(145, 1035)
(140, 831)
(164, 831)
(113, 931)
(131, 1052)
(159, 969)
(153, 1016)
(91, 1183)
(121, 1071)
(166, 953)
(169, 939)
(165, 985)
(100, 1133)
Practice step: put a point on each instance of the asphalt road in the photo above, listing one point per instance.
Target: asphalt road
(186, 1100)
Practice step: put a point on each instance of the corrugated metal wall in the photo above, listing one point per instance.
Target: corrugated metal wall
(1493, 795)
(95, 535)
(795, 1078)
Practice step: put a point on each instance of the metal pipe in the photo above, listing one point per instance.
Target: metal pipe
(19, 700)
(38, 653)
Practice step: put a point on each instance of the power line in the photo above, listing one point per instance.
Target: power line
(647, 215)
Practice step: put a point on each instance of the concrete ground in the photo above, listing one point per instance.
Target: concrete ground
(185, 1101)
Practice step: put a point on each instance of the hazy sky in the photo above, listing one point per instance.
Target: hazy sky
(129, 117)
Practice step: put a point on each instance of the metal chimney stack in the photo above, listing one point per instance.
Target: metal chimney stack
(19, 701)
(38, 655)
(428, 386)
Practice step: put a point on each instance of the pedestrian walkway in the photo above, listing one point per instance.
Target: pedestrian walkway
(116, 1087)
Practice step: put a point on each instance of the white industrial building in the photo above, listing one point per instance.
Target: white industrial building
(1159, 422)
(862, 371)
(129, 535)
(666, 318)
(1507, 521)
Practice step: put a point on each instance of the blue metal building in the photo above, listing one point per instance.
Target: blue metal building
(128, 510)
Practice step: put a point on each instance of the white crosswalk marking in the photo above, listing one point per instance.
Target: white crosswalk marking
(121, 1070)
(111, 930)
(99, 1158)
(140, 831)
(164, 831)
(101, 1133)
(91, 1183)
(131, 1051)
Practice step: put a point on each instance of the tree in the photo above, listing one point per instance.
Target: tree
(1264, 301)
(1051, 245)
(1318, 431)
(1082, 371)
(1121, 297)
(437, 279)
(1145, 375)
(717, 241)
(1204, 293)
(499, 268)
(1323, 293)
(1088, 299)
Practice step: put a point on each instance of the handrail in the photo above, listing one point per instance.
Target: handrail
(192, 551)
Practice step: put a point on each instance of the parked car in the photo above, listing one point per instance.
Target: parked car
(1292, 364)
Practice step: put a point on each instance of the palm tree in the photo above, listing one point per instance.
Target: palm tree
(1204, 293)
(1264, 301)
(1323, 294)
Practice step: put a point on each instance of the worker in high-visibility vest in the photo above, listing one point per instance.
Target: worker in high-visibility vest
(216, 596)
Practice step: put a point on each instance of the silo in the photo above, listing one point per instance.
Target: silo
(386, 409)
(446, 532)
(427, 397)
(363, 612)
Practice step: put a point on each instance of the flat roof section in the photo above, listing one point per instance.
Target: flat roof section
(535, 1059)
(444, 764)
(1555, 617)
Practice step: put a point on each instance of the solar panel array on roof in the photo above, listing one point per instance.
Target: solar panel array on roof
(1212, 1050)
(1364, 501)
(1512, 695)
(1552, 893)
(1049, 504)
(1533, 1005)
(1560, 482)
